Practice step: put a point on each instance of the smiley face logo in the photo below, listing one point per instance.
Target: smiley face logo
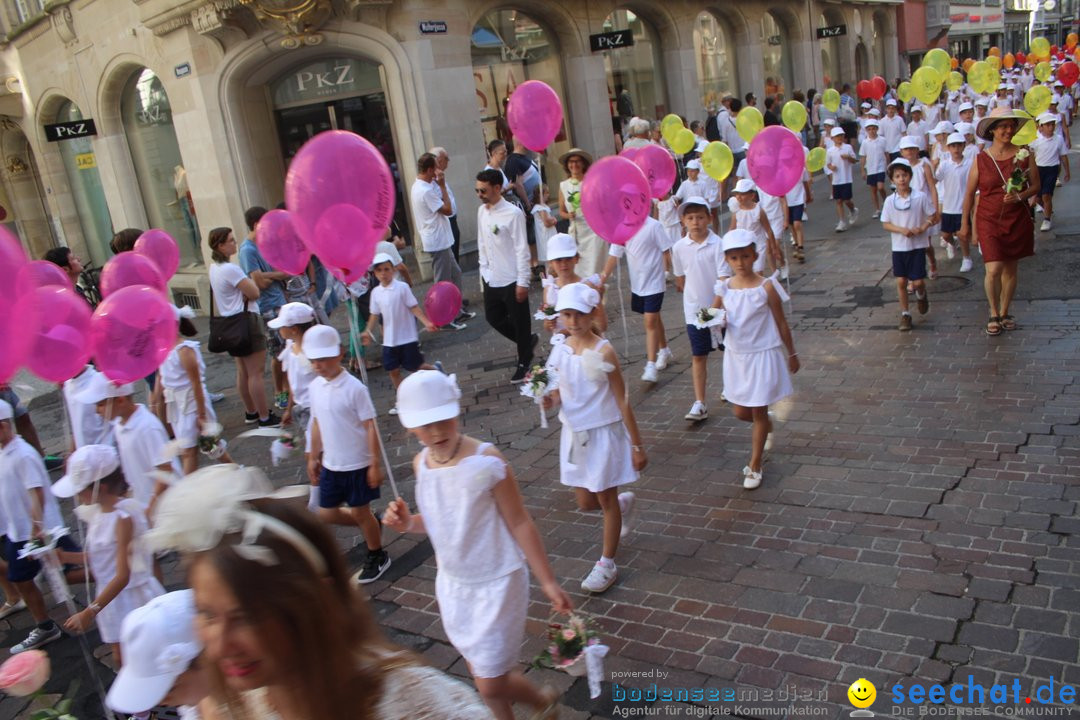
(862, 693)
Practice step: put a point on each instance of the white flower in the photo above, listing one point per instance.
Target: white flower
(1023, 154)
(596, 369)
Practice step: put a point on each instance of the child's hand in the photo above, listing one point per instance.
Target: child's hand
(793, 363)
(366, 338)
(547, 402)
(397, 516)
(560, 601)
(549, 325)
(831, 167)
(430, 326)
(640, 459)
(80, 621)
(374, 476)
(286, 417)
(313, 468)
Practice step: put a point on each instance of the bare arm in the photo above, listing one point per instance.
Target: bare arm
(80, 621)
(618, 387)
(428, 325)
(248, 289)
(777, 309)
(969, 201)
(315, 456)
(374, 471)
(190, 363)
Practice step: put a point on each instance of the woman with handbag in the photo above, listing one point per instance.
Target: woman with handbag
(237, 329)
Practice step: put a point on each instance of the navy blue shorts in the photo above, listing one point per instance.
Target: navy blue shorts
(646, 303)
(701, 343)
(345, 487)
(795, 213)
(910, 264)
(841, 192)
(27, 569)
(950, 223)
(1048, 176)
(405, 356)
(874, 179)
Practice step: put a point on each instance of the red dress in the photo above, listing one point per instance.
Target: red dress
(1006, 231)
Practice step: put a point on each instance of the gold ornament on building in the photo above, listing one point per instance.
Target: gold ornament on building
(15, 165)
(299, 20)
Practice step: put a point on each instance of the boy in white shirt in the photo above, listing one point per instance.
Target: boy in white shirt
(87, 426)
(394, 302)
(694, 185)
(951, 174)
(345, 448)
(647, 252)
(797, 199)
(840, 159)
(892, 128)
(1050, 155)
(908, 215)
(874, 159)
(916, 129)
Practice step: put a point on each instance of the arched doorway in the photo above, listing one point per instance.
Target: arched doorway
(635, 79)
(830, 58)
(877, 25)
(862, 62)
(776, 55)
(84, 182)
(714, 51)
(22, 204)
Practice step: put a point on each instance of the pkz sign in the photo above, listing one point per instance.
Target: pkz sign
(831, 32)
(611, 40)
(70, 130)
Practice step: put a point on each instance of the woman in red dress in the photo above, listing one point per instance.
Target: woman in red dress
(1005, 176)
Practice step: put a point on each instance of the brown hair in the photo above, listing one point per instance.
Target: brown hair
(216, 238)
(318, 627)
(124, 240)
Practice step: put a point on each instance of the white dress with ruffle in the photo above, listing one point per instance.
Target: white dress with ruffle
(755, 359)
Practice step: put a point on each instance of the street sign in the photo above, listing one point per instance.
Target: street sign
(831, 32)
(432, 27)
(611, 40)
(70, 130)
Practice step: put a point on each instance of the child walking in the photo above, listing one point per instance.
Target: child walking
(874, 159)
(908, 214)
(562, 259)
(600, 447)
(469, 505)
(952, 173)
(543, 222)
(647, 252)
(1051, 155)
(750, 216)
(345, 453)
(839, 160)
(756, 372)
(922, 181)
(797, 199)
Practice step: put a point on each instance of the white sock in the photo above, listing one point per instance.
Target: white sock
(905, 312)
(920, 295)
(607, 563)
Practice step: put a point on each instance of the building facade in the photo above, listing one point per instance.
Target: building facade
(198, 106)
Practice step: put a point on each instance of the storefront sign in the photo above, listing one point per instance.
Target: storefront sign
(831, 31)
(70, 130)
(85, 161)
(432, 27)
(611, 40)
(182, 70)
(326, 79)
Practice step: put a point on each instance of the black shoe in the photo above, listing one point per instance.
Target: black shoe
(519, 374)
(464, 315)
(251, 418)
(374, 566)
(272, 420)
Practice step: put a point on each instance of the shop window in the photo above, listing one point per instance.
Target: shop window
(84, 180)
(634, 75)
(776, 56)
(716, 64)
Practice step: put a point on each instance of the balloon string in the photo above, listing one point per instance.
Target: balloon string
(625, 330)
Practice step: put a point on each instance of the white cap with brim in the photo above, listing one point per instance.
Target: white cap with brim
(380, 259)
(159, 644)
(6, 411)
(86, 466)
(576, 296)
(875, 112)
(907, 142)
(736, 239)
(693, 165)
(561, 246)
(982, 101)
(1046, 118)
(294, 313)
(320, 342)
(837, 132)
(965, 106)
(871, 123)
(889, 102)
(829, 121)
(965, 128)
(690, 202)
(898, 162)
(102, 388)
(916, 108)
(955, 138)
(428, 396)
(865, 106)
(745, 185)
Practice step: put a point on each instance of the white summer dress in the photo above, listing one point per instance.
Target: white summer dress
(755, 360)
(751, 220)
(180, 407)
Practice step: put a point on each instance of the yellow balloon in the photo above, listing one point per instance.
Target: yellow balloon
(1027, 131)
(1037, 100)
(955, 81)
(831, 99)
(927, 84)
(938, 59)
(993, 61)
(794, 115)
(983, 78)
(670, 125)
(816, 159)
(683, 141)
(717, 160)
(749, 123)
(1040, 47)
(1042, 71)
(905, 91)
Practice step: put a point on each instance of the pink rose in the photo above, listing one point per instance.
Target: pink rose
(568, 634)
(25, 673)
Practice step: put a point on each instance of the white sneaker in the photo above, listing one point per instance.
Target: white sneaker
(784, 272)
(698, 412)
(663, 358)
(723, 398)
(650, 375)
(10, 608)
(944, 242)
(627, 508)
(751, 479)
(36, 639)
(600, 579)
(965, 265)
(393, 410)
(1046, 225)
(1038, 208)
(877, 214)
(841, 226)
(853, 217)
(950, 251)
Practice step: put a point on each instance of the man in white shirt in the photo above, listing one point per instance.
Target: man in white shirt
(442, 162)
(432, 208)
(504, 268)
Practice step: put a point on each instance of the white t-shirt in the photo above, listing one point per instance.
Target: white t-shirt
(916, 130)
(392, 303)
(873, 149)
(797, 195)
(87, 427)
(139, 443)
(668, 213)
(842, 173)
(341, 407)
(892, 129)
(432, 225)
(952, 180)
(645, 258)
(914, 210)
(22, 469)
(224, 277)
(1048, 150)
(300, 373)
(695, 188)
(697, 263)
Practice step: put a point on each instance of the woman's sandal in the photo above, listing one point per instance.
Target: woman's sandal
(551, 710)
(993, 326)
(1008, 322)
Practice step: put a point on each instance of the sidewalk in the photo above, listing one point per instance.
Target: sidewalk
(916, 522)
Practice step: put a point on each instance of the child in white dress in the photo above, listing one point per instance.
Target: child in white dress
(600, 447)
(121, 564)
(484, 540)
(292, 322)
(749, 215)
(543, 223)
(562, 258)
(756, 373)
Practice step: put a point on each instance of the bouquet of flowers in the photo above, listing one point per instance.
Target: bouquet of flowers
(1018, 180)
(710, 317)
(546, 312)
(576, 649)
(211, 444)
(540, 381)
(574, 198)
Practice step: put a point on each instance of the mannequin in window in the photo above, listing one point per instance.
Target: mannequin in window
(187, 207)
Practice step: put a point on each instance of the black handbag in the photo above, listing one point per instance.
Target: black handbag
(230, 334)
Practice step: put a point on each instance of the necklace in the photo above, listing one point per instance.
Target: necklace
(450, 456)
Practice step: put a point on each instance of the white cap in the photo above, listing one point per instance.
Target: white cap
(1058, 82)
(428, 396)
(689, 202)
(575, 296)
(560, 246)
(908, 142)
(1055, 99)
(943, 127)
(1002, 86)
(6, 411)
(871, 123)
(916, 108)
(737, 238)
(829, 121)
(875, 112)
(964, 106)
(380, 259)
(745, 185)
(982, 101)
(955, 138)
(1047, 118)
(294, 313)
(865, 106)
(85, 467)
(321, 341)
(837, 132)
(901, 162)
(965, 128)
(102, 388)
(159, 644)
(694, 164)
(889, 102)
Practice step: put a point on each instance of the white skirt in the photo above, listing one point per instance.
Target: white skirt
(600, 460)
(485, 621)
(756, 379)
(130, 598)
(182, 412)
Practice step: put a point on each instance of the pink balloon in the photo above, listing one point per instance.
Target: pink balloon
(776, 160)
(630, 153)
(159, 246)
(280, 244)
(12, 258)
(40, 273)
(339, 168)
(535, 114)
(18, 325)
(659, 168)
(442, 303)
(132, 332)
(129, 268)
(615, 199)
(61, 345)
(345, 240)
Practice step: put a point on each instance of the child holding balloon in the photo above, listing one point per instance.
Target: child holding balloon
(839, 159)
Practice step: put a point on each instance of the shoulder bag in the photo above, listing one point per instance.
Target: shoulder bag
(230, 334)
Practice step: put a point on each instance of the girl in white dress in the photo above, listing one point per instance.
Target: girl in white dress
(592, 249)
(120, 562)
(756, 373)
(543, 223)
(562, 254)
(748, 214)
(484, 540)
(600, 447)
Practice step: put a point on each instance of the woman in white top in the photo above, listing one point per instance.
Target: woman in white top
(234, 292)
(591, 248)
